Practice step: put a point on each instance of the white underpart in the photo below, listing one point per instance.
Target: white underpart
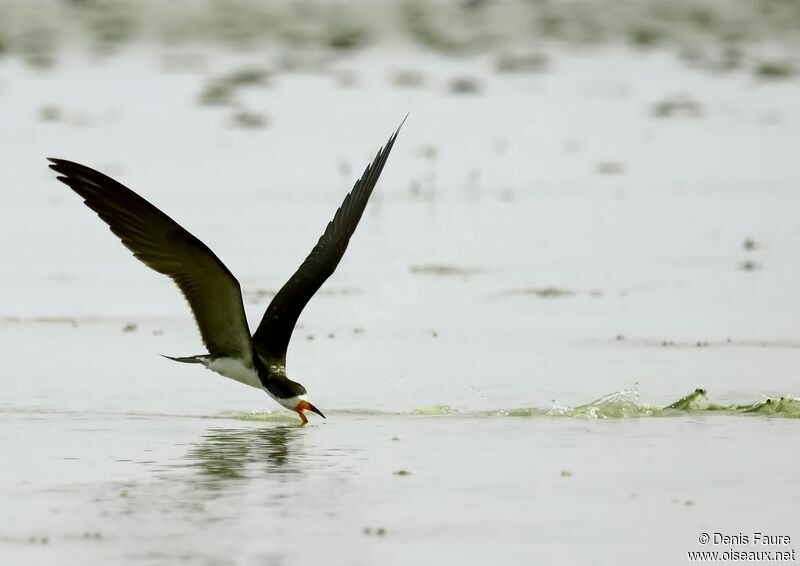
(236, 370)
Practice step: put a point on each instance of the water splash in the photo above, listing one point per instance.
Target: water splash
(619, 405)
(627, 404)
(624, 404)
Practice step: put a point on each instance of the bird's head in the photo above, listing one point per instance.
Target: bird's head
(288, 393)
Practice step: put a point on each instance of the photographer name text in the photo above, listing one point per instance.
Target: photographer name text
(756, 538)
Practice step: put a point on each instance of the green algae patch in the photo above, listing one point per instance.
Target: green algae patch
(783, 406)
(524, 412)
(433, 410)
(690, 402)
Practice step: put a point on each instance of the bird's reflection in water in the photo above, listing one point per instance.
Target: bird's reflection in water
(230, 454)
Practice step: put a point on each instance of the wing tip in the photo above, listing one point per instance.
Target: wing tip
(397, 131)
(402, 122)
(62, 166)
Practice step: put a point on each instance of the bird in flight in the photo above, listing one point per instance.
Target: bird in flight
(213, 293)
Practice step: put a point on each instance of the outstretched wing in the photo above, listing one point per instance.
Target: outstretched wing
(160, 243)
(271, 339)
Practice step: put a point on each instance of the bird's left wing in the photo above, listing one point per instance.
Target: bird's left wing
(271, 339)
(158, 241)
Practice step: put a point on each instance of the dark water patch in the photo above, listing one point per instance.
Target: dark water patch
(775, 70)
(408, 78)
(465, 85)
(541, 292)
(750, 244)
(522, 62)
(249, 119)
(430, 27)
(610, 168)
(678, 106)
(221, 91)
(749, 265)
(443, 270)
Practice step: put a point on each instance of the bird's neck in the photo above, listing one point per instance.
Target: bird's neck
(281, 388)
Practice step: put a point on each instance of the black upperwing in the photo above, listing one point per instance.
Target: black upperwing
(160, 243)
(271, 339)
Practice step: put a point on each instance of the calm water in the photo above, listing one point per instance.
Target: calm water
(361, 489)
(498, 271)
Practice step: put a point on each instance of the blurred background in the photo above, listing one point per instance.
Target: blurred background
(579, 185)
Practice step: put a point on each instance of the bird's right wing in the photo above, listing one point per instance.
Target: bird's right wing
(159, 242)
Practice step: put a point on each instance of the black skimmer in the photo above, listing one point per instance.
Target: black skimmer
(212, 291)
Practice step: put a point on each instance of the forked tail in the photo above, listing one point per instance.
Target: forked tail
(201, 359)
